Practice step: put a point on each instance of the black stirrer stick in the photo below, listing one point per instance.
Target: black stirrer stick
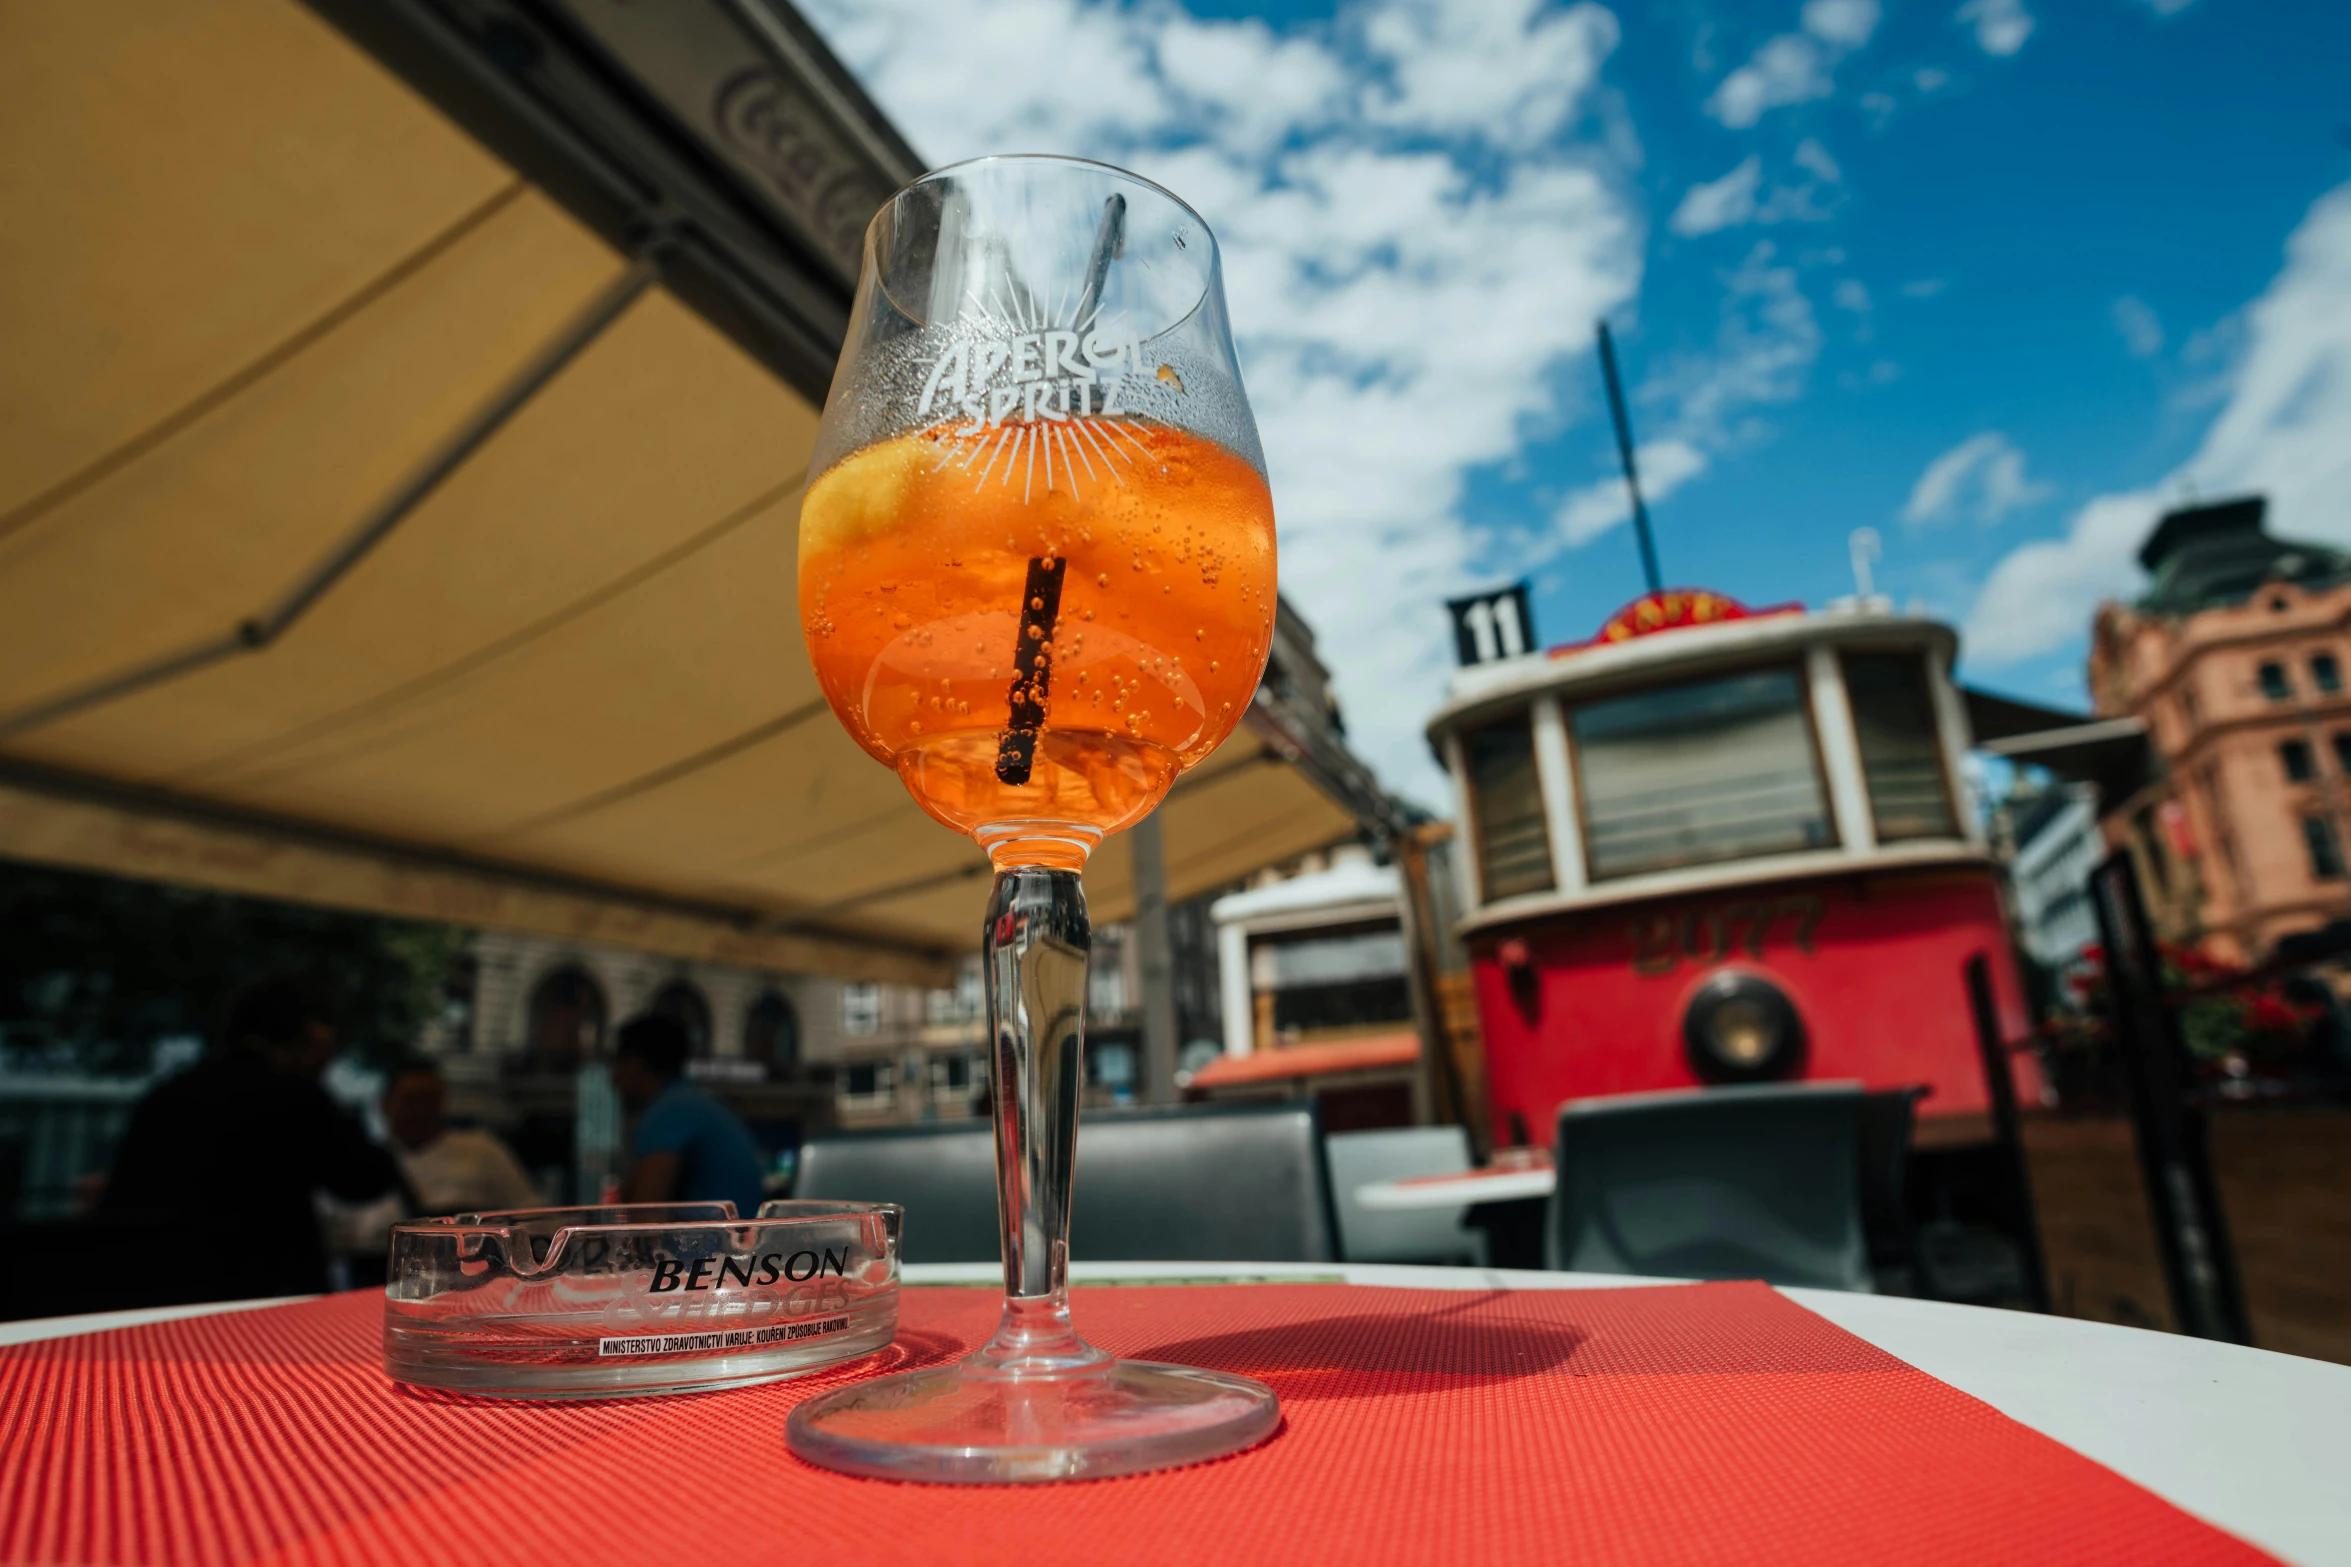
(1032, 671)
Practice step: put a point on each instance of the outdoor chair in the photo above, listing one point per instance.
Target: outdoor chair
(1239, 1184)
(1887, 1116)
(1717, 1183)
(943, 1176)
(1425, 1235)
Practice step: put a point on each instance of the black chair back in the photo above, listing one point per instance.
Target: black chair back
(943, 1176)
(1714, 1183)
(1238, 1183)
(1245, 1183)
(1887, 1116)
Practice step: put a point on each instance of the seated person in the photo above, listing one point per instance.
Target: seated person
(444, 1171)
(688, 1147)
(244, 1137)
(462, 1170)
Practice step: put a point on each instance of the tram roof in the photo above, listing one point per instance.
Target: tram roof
(406, 414)
(1672, 653)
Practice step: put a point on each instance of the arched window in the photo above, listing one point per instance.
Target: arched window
(567, 1019)
(771, 1031)
(682, 999)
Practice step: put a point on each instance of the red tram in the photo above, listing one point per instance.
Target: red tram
(1717, 845)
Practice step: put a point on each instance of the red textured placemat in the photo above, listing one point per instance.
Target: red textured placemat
(1715, 1422)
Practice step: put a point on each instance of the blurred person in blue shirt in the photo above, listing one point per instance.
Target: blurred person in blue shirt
(688, 1147)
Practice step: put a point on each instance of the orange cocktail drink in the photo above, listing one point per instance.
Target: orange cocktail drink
(1039, 625)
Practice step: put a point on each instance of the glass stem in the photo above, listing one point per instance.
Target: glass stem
(1035, 948)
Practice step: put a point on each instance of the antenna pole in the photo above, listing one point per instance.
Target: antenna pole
(1624, 450)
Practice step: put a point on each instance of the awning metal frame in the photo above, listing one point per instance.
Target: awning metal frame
(524, 81)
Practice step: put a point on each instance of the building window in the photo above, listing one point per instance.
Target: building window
(869, 1085)
(1694, 774)
(951, 1077)
(1114, 1064)
(2326, 850)
(1106, 978)
(966, 1003)
(1506, 801)
(2274, 683)
(1331, 982)
(1901, 755)
(771, 1030)
(861, 1007)
(2343, 749)
(2325, 673)
(2300, 765)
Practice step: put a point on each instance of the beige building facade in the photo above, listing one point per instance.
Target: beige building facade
(2236, 660)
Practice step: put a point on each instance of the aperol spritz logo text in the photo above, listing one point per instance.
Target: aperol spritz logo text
(1050, 374)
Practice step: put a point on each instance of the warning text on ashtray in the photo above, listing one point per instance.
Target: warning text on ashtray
(702, 1343)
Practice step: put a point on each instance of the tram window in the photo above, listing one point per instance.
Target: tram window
(1692, 774)
(1514, 848)
(1901, 755)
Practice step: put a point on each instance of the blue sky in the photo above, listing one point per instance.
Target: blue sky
(1999, 279)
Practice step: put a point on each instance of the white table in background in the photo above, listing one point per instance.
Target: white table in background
(1456, 1190)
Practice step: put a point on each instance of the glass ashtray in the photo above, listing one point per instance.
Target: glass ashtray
(649, 1298)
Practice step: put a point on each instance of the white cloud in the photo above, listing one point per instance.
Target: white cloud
(2167, 7)
(1502, 71)
(1665, 466)
(2001, 26)
(1737, 199)
(1983, 475)
(1719, 204)
(1851, 294)
(1414, 241)
(1930, 79)
(1925, 287)
(1764, 348)
(2282, 432)
(1788, 69)
(1794, 67)
(1844, 23)
(1814, 158)
(2142, 332)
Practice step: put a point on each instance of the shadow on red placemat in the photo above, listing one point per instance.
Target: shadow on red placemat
(1504, 1335)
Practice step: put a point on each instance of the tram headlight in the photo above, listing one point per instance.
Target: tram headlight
(1741, 1028)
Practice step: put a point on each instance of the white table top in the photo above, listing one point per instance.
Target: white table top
(1452, 1191)
(2252, 1441)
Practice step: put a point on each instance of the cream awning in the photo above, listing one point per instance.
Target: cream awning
(257, 293)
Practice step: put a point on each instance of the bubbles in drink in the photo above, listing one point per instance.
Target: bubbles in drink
(1110, 712)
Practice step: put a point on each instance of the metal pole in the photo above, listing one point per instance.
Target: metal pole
(1157, 955)
(1440, 1074)
(1624, 450)
(2199, 1264)
(2008, 1126)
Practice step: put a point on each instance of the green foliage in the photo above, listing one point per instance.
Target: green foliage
(94, 970)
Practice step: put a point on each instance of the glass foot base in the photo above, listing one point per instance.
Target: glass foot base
(961, 1425)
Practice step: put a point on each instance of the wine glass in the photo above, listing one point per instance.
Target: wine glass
(1037, 579)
